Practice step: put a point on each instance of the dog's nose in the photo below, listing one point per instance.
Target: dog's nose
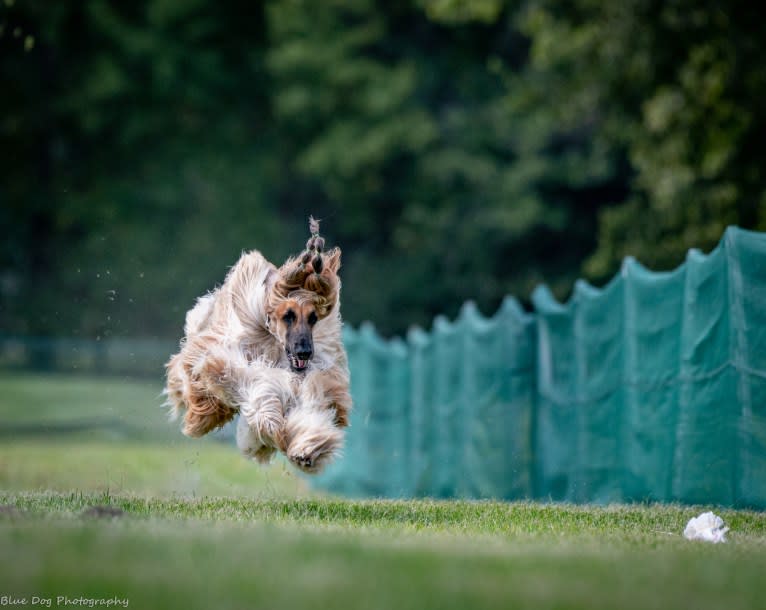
(303, 348)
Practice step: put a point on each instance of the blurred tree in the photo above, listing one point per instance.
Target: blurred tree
(136, 141)
(399, 125)
(454, 149)
(675, 87)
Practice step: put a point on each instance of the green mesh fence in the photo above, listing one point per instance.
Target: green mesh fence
(652, 388)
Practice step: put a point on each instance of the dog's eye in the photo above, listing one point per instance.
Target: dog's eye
(289, 317)
(312, 318)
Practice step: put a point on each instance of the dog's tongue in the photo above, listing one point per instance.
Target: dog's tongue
(300, 364)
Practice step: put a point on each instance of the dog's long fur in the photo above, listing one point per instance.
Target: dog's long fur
(233, 360)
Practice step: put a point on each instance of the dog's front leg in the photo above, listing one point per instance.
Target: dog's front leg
(251, 442)
(312, 427)
(263, 395)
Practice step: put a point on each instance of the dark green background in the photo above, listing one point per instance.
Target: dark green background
(453, 149)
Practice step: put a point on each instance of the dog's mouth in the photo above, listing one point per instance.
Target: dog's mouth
(297, 364)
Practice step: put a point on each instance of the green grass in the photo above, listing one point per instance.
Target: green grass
(64, 433)
(325, 553)
(203, 528)
(184, 468)
(110, 408)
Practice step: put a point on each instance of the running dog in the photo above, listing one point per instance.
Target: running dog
(267, 345)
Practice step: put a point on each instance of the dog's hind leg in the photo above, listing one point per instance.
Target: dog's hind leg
(192, 391)
(176, 386)
(195, 385)
(212, 380)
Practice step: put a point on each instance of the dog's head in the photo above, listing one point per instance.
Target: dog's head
(292, 323)
(303, 294)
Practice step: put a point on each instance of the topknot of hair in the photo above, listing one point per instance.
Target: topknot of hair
(313, 270)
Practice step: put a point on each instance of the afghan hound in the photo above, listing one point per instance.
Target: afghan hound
(267, 345)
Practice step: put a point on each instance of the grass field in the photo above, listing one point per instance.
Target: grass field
(196, 526)
(65, 433)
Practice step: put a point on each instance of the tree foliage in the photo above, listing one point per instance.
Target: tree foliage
(454, 149)
(674, 88)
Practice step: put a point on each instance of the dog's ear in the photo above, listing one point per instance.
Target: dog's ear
(289, 277)
(325, 284)
(332, 260)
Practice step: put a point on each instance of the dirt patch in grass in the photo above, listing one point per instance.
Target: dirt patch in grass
(103, 512)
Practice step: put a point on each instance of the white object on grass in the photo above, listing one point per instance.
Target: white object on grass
(708, 527)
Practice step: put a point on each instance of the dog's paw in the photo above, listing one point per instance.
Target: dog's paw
(312, 439)
(306, 463)
(264, 454)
